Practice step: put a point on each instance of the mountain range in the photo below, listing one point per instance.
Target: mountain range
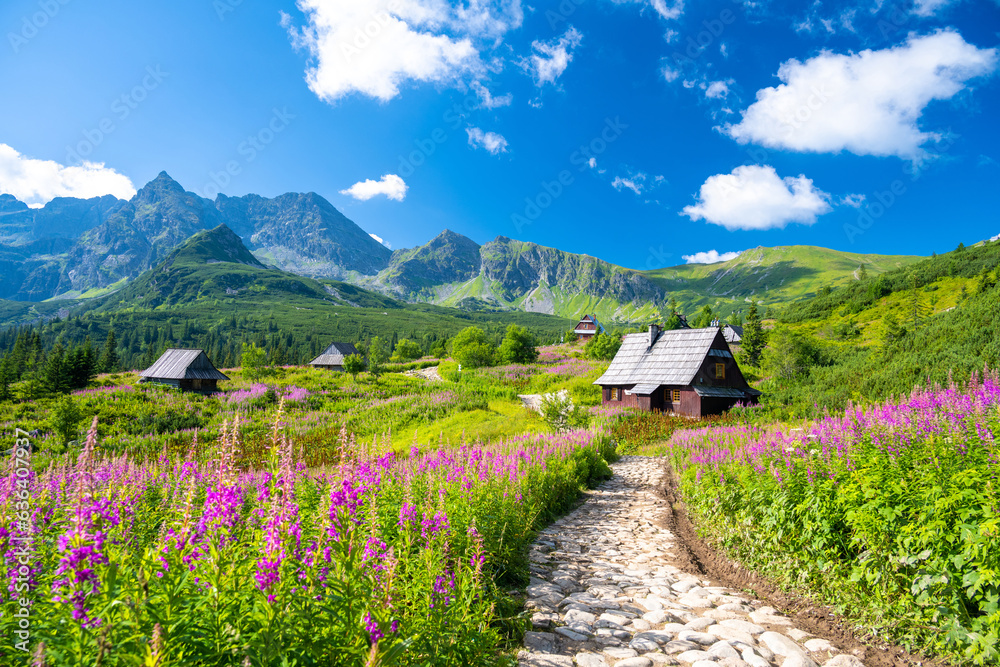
(82, 249)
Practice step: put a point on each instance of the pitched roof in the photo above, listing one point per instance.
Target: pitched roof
(725, 392)
(182, 364)
(589, 318)
(674, 358)
(334, 355)
(732, 332)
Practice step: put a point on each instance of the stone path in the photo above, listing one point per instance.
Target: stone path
(603, 594)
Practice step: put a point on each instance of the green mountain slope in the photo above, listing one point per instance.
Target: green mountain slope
(509, 275)
(774, 276)
(211, 292)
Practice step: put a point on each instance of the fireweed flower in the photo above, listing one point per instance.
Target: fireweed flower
(374, 633)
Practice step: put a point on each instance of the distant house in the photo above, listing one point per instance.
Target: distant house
(733, 333)
(191, 370)
(588, 327)
(686, 371)
(332, 358)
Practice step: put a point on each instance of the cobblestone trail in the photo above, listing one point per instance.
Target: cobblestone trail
(603, 594)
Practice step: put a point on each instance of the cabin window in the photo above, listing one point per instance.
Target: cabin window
(196, 384)
(720, 371)
(675, 395)
(616, 394)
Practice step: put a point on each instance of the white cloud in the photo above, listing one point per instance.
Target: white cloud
(592, 162)
(488, 101)
(636, 182)
(670, 74)
(717, 89)
(929, 7)
(380, 240)
(867, 103)
(390, 185)
(667, 11)
(36, 182)
(709, 257)
(854, 201)
(491, 141)
(373, 47)
(995, 238)
(754, 197)
(551, 59)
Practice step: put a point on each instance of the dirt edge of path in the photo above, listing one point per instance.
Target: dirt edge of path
(694, 554)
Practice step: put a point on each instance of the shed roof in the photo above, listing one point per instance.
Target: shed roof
(334, 355)
(733, 333)
(724, 392)
(674, 358)
(183, 364)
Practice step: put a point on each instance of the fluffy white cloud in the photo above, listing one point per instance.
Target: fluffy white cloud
(491, 141)
(667, 11)
(36, 182)
(755, 197)
(995, 238)
(868, 103)
(390, 185)
(709, 257)
(372, 47)
(592, 163)
(550, 59)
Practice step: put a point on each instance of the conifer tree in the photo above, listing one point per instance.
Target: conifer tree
(754, 338)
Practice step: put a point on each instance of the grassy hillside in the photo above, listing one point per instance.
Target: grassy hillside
(193, 299)
(871, 339)
(773, 275)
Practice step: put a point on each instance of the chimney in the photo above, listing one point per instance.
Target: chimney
(654, 331)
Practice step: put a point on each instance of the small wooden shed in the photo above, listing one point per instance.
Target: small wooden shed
(686, 371)
(332, 358)
(186, 369)
(588, 327)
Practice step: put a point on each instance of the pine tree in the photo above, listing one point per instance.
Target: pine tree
(754, 338)
(862, 272)
(109, 358)
(56, 376)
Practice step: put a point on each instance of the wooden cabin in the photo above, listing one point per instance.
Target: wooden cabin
(332, 358)
(190, 370)
(689, 372)
(588, 327)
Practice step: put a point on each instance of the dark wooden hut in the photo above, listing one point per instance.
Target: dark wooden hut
(686, 371)
(588, 327)
(332, 358)
(190, 370)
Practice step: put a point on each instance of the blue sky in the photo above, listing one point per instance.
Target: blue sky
(716, 126)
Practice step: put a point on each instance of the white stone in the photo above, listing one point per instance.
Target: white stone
(694, 656)
(796, 660)
(843, 660)
(590, 660)
(723, 649)
(542, 642)
(782, 645)
(744, 626)
(635, 662)
(820, 646)
(544, 660)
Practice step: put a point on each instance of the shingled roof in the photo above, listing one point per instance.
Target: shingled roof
(674, 358)
(334, 355)
(180, 364)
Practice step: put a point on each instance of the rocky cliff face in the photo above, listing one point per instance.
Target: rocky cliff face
(304, 234)
(520, 268)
